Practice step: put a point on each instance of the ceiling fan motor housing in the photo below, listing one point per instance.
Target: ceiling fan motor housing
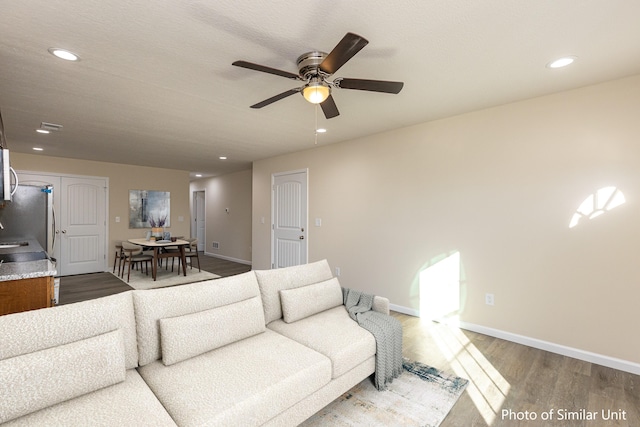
(309, 63)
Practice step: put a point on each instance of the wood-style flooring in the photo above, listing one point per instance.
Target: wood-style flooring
(89, 286)
(504, 376)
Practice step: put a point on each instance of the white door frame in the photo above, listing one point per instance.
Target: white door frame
(304, 220)
(194, 213)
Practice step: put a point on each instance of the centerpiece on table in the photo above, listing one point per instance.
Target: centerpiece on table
(157, 226)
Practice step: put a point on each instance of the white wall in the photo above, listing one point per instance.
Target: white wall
(500, 186)
(231, 230)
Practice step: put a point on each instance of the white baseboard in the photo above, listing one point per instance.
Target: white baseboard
(404, 310)
(240, 261)
(587, 356)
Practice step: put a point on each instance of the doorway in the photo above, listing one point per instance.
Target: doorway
(289, 225)
(199, 218)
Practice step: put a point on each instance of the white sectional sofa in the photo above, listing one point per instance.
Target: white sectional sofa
(265, 347)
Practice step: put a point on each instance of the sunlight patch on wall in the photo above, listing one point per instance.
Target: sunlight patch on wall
(440, 289)
(598, 203)
(487, 387)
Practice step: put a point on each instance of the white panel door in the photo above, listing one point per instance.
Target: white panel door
(289, 202)
(82, 226)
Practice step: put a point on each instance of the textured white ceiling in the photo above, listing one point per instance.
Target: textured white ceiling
(155, 85)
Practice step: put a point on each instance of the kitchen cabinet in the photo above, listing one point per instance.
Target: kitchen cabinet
(26, 294)
(27, 285)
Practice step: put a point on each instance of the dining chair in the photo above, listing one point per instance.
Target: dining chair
(191, 252)
(171, 252)
(118, 257)
(133, 254)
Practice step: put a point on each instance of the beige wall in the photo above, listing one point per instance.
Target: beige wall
(122, 178)
(500, 186)
(231, 230)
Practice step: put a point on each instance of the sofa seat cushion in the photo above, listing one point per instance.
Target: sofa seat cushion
(246, 382)
(129, 403)
(334, 334)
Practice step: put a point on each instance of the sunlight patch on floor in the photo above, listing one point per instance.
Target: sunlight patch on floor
(487, 387)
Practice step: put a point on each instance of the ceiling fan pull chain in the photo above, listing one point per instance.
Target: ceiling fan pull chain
(316, 129)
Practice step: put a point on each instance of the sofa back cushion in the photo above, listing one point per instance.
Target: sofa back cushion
(184, 337)
(37, 380)
(308, 300)
(273, 281)
(31, 331)
(156, 307)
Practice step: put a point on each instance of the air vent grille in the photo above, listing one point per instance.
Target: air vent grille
(216, 245)
(52, 127)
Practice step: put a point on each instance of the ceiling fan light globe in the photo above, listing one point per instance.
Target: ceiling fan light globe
(316, 93)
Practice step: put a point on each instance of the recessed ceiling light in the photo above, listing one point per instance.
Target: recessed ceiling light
(42, 131)
(562, 62)
(38, 149)
(198, 175)
(223, 157)
(321, 130)
(64, 54)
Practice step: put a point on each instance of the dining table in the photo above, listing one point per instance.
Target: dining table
(157, 245)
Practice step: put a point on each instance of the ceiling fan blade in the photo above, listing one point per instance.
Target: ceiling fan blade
(275, 98)
(344, 51)
(264, 69)
(329, 108)
(3, 140)
(371, 85)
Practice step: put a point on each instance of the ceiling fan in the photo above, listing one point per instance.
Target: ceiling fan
(315, 68)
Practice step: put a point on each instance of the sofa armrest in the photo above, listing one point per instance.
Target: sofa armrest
(381, 305)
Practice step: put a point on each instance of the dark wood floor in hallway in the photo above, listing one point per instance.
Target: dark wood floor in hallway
(89, 286)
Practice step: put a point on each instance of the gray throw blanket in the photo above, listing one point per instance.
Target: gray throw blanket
(386, 330)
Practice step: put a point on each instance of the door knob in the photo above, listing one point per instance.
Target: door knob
(64, 231)
(301, 237)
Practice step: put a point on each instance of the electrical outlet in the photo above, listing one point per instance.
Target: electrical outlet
(337, 271)
(488, 299)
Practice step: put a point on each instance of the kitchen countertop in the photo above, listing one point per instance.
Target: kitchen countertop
(26, 270)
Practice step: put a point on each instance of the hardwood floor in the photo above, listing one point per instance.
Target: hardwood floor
(89, 286)
(504, 376)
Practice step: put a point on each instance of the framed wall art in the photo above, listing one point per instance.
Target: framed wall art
(149, 209)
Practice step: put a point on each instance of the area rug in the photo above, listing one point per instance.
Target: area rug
(420, 396)
(165, 278)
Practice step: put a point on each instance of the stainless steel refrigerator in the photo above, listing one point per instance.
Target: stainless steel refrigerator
(29, 216)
